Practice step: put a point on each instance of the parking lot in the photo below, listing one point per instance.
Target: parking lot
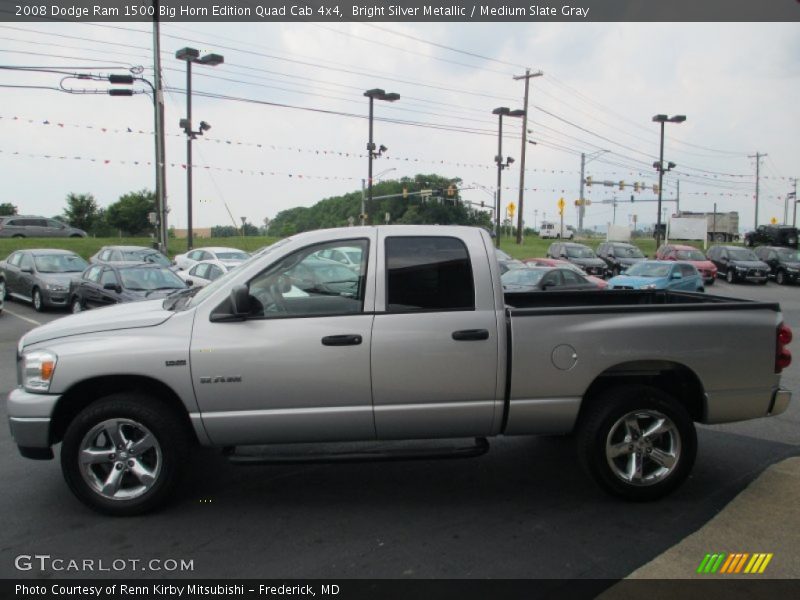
(524, 510)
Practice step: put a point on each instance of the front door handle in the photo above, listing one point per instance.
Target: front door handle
(466, 335)
(341, 340)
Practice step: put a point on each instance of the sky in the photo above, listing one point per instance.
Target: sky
(602, 83)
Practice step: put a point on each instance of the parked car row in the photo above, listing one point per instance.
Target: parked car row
(50, 278)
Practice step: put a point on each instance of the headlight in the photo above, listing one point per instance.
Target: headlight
(791, 269)
(55, 287)
(38, 368)
(741, 268)
(648, 286)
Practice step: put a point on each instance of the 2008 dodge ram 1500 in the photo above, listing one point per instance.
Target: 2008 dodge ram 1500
(412, 339)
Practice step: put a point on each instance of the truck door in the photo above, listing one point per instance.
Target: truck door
(434, 340)
(298, 369)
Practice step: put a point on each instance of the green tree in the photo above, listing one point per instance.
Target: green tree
(130, 213)
(6, 208)
(81, 211)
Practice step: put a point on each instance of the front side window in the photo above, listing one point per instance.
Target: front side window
(108, 278)
(688, 271)
(26, 262)
(93, 274)
(428, 274)
(303, 284)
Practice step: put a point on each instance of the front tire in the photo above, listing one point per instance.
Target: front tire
(76, 306)
(123, 454)
(637, 442)
(38, 301)
(780, 277)
(730, 276)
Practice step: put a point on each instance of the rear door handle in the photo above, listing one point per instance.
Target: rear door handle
(466, 335)
(341, 340)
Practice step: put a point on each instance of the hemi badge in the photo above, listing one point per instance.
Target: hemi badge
(175, 363)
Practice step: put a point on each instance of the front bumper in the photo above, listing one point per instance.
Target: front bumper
(29, 418)
(55, 298)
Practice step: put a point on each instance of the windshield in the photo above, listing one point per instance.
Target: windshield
(628, 252)
(60, 263)
(645, 269)
(741, 254)
(143, 256)
(788, 255)
(579, 252)
(690, 255)
(232, 255)
(138, 278)
(522, 276)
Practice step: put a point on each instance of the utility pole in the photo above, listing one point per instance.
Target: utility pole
(161, 160)
(794, 203)
(758, 156)
(527, 77)
(584, 161)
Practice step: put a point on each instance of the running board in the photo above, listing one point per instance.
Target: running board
(480, 447)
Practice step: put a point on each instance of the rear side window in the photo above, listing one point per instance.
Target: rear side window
(428, 274)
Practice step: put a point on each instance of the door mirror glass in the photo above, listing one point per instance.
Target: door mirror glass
(240, 301)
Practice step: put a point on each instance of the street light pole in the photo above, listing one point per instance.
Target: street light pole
(191, 55)
(660, 167)
(500, 112)
(374, 94)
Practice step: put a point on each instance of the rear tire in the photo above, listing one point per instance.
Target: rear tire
(637, 442)
(17, 235)
(123, 455)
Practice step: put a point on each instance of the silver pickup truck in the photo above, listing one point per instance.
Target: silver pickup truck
(412, 339)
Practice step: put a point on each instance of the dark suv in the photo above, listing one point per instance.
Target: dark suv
(580, 255)
(784, 263)
(772, 235)
(20, 226)
(738, 264)
(619, 256)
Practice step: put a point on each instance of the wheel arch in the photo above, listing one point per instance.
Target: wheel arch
(84, 393)
(674, 378)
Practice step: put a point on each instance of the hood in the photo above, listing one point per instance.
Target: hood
(121, 316)
(628, 262)
(588, 262)
(701, 264)
(636, 282)
(791, 264)
(750, 264)
(58, 278)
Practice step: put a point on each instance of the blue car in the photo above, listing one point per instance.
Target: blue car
(659, 275)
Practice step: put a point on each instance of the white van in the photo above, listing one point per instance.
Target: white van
(550, 230)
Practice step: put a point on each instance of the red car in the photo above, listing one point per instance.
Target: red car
(556, 262)
(690, 254)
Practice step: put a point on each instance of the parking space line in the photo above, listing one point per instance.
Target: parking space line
(34, 321)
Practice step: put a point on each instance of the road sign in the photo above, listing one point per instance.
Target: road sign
(511, 208)
(774, 221)
(561, 205)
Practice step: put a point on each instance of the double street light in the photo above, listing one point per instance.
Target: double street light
(501, 112)
(659, 166)
(191, 55)
(374, 94)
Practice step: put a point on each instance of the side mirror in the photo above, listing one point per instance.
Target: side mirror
(113, 287)
(26, 270)
(189, 283)
(240, 301)
(563, 255)
(677, 276)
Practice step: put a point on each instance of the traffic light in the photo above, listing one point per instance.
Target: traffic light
(635, 186)
(621, 185)
(655, 188)
(405, 193)
(589, 181)
(451, 191)
(482, 204)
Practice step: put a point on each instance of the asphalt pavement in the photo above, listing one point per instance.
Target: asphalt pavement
(524, 510)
